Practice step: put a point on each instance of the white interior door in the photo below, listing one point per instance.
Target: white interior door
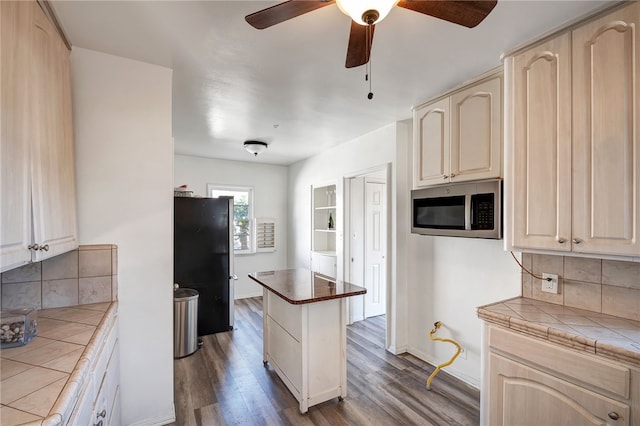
(375, 248)
(356, 246)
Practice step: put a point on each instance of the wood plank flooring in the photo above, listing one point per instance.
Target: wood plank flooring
(226, 383)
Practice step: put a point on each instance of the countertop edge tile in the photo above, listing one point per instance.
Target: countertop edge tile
(577, 341)
(63, 406)
(494, 317)
(615, 352)
(574, 341)
(529, 327)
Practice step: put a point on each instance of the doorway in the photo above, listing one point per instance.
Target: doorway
(366, 229)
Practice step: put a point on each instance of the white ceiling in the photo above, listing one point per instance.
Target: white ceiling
(287, 85)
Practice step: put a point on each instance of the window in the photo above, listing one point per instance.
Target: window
(242, 214)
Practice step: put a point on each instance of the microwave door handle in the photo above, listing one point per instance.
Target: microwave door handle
(467, 212)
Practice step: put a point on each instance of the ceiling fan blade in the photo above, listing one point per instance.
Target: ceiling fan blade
(359, 49)
(466, 13)
(283, 12)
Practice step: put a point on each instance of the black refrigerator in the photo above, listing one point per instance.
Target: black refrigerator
(203, 258)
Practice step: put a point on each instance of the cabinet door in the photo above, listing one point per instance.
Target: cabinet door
(52, 162)
(15, 204)
(431, 144)
(541, 145)
(606, 162)
(476, 132)
(527, 397)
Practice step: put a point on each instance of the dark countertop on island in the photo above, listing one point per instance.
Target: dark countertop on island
(300, 286)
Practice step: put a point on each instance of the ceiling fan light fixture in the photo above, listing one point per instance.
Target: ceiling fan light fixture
(255, 147)
(364, 12)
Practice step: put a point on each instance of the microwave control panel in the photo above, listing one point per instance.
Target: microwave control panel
(482, 211)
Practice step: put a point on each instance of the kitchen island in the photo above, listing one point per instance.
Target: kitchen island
(304, 334)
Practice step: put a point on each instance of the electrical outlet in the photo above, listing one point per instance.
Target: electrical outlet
(550, 283)
(463, 353)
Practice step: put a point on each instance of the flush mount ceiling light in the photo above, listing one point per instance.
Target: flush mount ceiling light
(255, 147)
(366, 12)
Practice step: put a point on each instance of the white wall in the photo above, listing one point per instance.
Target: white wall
(373, 150)
(449, 278)
(270, 200)
(124, 161)
(433, 278)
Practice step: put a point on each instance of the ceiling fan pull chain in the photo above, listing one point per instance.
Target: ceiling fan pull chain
(369, 75)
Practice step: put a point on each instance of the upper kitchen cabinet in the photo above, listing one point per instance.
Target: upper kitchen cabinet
(459, 137)
(540, 80)
(15, 198)
(38, 169)
(574, 158)
(606, 162)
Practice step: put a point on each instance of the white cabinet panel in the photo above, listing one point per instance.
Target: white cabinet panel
(431, 143)
(606, 195)
(541, 145)
(476, 132)
(459, 137)
(38, 207)
(574, 147)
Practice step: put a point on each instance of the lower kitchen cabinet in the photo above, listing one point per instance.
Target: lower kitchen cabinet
(532, 382)
(306, 345)
(99, 401)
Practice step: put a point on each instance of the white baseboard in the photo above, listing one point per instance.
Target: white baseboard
(157, 421)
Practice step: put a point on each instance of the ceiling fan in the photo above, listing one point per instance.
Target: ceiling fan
(366, 13)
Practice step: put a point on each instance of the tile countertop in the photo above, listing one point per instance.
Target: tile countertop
(601, 334)
(39, 380)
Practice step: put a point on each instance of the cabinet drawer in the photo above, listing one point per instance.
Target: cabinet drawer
(287, 315)
(581, 368)
(286, 353)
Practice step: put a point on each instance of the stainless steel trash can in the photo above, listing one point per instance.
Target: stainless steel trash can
(185, 322)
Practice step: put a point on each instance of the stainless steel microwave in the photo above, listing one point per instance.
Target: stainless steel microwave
(470, 209)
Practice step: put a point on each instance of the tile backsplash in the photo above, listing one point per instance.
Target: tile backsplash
(608, 286)
(88, 274)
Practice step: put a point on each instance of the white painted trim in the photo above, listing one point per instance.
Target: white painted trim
(391, 282)
(157, 421)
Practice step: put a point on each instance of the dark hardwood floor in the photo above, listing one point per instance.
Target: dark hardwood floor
(226, 383)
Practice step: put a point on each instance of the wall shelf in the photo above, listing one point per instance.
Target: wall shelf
(323, 238)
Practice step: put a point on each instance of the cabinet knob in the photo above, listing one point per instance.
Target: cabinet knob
(98, 424)
(34, 247)
(562, 240)
(102, 413)
(453, 175)
(613, 415)
(576, 241)
(445, 176)
(45, 247)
